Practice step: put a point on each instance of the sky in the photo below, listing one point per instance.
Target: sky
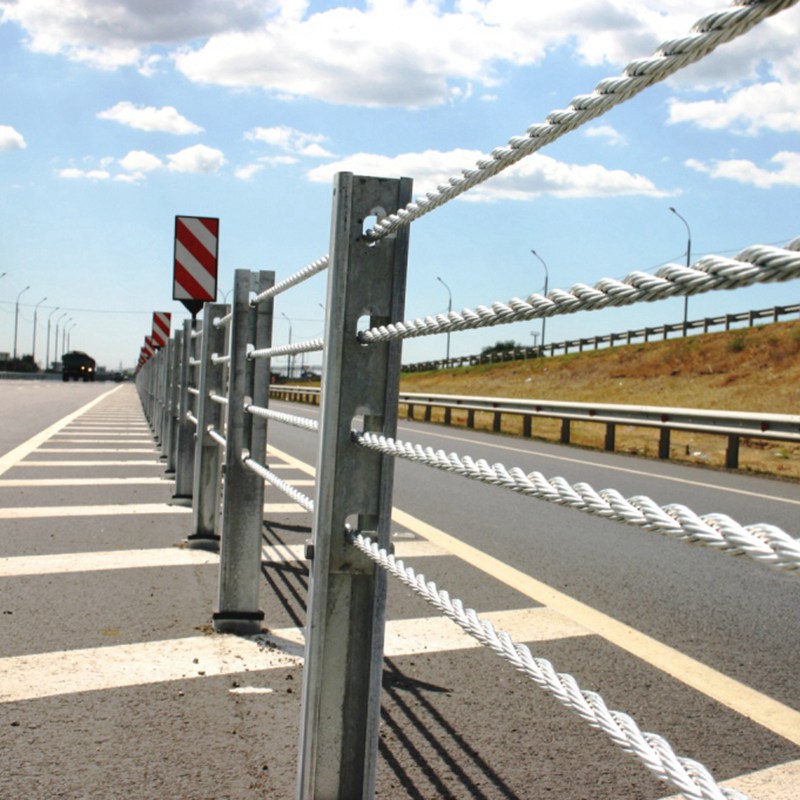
(118, 115)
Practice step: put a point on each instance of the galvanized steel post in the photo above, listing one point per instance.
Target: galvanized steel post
(173, 395)
(206, 490)
(184, 460)
(347, 594)
(243, 493)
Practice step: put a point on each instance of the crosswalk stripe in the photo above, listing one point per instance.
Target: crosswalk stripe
(29, 677)
(40, 512)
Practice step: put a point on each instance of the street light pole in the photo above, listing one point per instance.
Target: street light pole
(55, 342)
(290, 366)
(16, 319)
(47, 357)
(546, 279)
(69, 336)
(688, 263)
(33, 345)
(64, 338)
(449, 309)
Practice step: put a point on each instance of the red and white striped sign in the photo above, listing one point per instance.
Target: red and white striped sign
(195, 273)
(161, 327)
(147, 349)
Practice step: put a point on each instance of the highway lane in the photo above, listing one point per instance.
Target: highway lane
(29, 406)
(731, 614)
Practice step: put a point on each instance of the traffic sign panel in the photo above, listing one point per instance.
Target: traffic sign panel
(161, 327)
(195, 262)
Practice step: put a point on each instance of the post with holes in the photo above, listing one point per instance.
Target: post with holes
(347, 594)
(163, 406)
(207, 456)
(238, 608)
(184, 457)
(173, 401)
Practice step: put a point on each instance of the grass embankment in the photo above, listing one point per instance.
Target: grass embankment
(756, 369)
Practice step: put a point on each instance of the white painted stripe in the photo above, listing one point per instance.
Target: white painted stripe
(121, 510)
(124, 441)
(108, 463)
(66, 672)
(16, 455)
(756, 706)
(776, 783)
(195, 269)
(281, 554)
(19, 483)
(14, 566)
(97, 450)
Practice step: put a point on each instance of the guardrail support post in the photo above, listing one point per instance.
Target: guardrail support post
(173, 377)
(732, 453)
(243, 499)
(206, 490)
(347, 594)
(565, 431)
(663, 443)
(611, 436)
(184, 458)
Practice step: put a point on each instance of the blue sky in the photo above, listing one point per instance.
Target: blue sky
(116, 116)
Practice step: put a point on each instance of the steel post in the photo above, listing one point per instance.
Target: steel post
(243, 493)
(184, 459)
(347, 592)
(206, 490)
(173, 393)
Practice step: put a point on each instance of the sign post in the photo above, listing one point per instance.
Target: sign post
(195, 262)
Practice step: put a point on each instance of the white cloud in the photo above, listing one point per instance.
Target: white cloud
(198, 158)
(11, 139)
(403, 53)
(108, 35)
(246, 173)
(140, 161)
(73, 173)
(149, 118)
(763, 106)
(530, 178)
(611, 135)
(291, 140)
(786, 172)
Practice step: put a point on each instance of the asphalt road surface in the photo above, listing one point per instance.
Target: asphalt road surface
(112, 687)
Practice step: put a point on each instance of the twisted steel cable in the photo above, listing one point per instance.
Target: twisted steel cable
(706, 35)
(270, 477)
(302, 275)
(754, 264)
(305, 423)
(310, 346)
(761, 542)
(690, 777)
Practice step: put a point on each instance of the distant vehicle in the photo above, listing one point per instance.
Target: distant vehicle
(78, 366)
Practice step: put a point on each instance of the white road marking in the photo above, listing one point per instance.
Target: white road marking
(756, 706)
(89, 670)
(96, 450)
(16, 455)
(40, 675)
(639, 472)
(121, 510)
(775, 783)
(15, 566)
(19, 483)
(108, 463)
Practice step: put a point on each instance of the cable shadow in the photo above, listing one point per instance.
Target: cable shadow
(454, 754)
(288, 580)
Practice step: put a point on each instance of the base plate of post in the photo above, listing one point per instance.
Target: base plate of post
(242, 623)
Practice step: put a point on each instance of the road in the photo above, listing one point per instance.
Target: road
(730, 615)
(696, 646)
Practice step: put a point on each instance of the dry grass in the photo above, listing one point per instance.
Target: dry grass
(756, 369)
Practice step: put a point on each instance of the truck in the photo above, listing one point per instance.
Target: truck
(77, 365)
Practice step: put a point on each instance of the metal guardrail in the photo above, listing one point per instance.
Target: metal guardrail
(735, 425)
(645, 335)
